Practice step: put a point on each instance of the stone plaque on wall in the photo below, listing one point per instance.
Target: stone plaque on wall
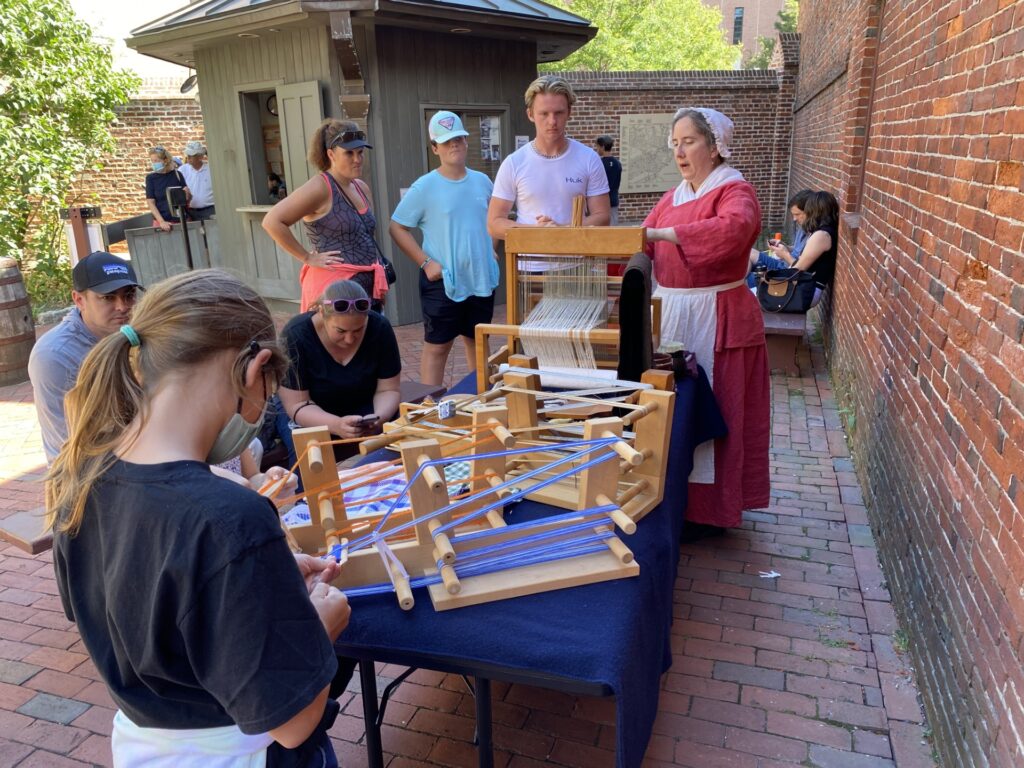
(647, 164)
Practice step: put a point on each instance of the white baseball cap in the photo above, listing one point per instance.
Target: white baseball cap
(445, 126)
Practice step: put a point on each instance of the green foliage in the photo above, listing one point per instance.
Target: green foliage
(763, 58)
(785, 22)
(788, 16)
(649, 35)
(58, 90)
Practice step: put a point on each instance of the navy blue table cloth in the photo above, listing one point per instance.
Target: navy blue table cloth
(614, 634)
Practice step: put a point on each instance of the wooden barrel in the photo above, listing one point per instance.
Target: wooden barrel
(17, 331)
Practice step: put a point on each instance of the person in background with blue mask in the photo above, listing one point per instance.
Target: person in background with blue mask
(214, 640)
(164, 176)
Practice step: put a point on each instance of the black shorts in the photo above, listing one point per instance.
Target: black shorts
(444, 319)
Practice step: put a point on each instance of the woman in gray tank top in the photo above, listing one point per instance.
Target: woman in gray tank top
(336, 213)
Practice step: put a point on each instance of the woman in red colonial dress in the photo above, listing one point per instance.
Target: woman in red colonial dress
(699, 236)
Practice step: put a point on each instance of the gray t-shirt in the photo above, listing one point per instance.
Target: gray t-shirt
(53, 368)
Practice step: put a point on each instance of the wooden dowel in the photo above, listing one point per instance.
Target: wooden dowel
(404, 593)
(631, 493)
(326, 512)
(430, 474)
(315, 456)
(620, 550)
(639, 413)
(618, 517)
(451, 582)
(573, 398)
(344, 552)
(625, 466)
(380, 441)
(401, 584)
(501, 432)
(625, 450)
(442, 543)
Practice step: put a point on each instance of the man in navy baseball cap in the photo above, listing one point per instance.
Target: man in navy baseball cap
(103, 273)
(104, 292)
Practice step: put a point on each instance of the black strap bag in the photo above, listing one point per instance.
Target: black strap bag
(786, 290)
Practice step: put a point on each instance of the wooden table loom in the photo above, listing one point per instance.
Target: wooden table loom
(537, 244)
(606, 472)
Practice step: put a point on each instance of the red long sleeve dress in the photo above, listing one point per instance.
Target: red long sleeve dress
(707, 307)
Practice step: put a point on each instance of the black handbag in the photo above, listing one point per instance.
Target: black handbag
(786, 290)
(389, 268)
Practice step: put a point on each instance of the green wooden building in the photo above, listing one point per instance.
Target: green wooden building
(270, 70)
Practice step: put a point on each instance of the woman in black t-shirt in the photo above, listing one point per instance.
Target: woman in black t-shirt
(344, 371)
(820, 220)
(215, 642)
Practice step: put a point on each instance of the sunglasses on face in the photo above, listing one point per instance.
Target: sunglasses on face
(342, 306)
(346, 137)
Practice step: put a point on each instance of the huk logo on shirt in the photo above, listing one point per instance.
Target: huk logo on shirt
(447, 122)
(572, 180)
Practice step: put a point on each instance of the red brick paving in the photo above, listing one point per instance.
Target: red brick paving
(798, 670)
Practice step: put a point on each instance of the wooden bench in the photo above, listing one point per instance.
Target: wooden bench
(25, 531)
(783, 332)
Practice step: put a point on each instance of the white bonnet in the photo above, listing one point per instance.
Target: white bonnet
(721, 127)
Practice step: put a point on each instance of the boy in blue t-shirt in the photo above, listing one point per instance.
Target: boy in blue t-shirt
(458, 266)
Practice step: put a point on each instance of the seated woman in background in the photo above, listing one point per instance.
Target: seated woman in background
(819, 220)
(765, 259)
(345, 366)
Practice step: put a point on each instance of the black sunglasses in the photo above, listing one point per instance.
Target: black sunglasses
(347, 305)
(346, 137)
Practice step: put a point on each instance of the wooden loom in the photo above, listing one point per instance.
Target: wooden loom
(614, 244)
(461, 549)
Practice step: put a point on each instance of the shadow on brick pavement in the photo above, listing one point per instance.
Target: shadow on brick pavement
(800, 669)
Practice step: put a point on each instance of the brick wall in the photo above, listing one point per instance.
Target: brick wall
(914, 114)
(756, 100)
(159, 114)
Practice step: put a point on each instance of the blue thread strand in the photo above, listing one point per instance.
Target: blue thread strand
(592, 445)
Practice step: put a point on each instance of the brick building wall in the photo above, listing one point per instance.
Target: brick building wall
(158, 115)
(756, 100)
(914, 114)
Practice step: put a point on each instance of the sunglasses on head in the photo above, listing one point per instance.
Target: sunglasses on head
(346, 137)
(342, 306)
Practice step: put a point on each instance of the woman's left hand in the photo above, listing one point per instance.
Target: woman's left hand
(316, 571)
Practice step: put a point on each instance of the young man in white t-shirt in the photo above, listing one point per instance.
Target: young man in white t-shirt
(541, 178)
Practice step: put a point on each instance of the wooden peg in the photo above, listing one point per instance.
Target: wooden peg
(315, 456)
(441, 542)
(448, 577)
(618, 517)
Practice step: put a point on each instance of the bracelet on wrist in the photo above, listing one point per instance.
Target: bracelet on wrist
(295, 415)
(425, 262)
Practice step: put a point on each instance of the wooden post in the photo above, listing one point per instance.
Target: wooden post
(326, 512)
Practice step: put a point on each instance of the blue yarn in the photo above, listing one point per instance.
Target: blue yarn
(514, 496)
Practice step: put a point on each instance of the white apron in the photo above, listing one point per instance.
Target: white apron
(227, 747)
(689, 316)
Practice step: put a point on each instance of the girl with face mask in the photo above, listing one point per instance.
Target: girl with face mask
(213, 639)
(165, 174)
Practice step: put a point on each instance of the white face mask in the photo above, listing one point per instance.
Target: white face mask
(234, 437)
